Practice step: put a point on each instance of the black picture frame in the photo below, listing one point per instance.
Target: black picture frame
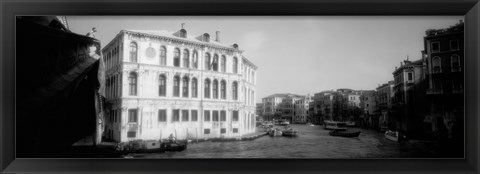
(469, 8)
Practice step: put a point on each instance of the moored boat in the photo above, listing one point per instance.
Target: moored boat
(394, 136)
(335, 132)
(175, 146)
(289, 133)
(350, 124)
(139, 146)
(284, 123)
(335, 125)
(275, 133)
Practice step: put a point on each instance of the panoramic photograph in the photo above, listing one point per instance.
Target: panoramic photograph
(324, 87)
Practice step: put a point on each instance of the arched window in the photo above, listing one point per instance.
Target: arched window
(163, 55)
(455, 59)
(186, 57)
(207, 88)
(185, 87)
(162, 89)
(133, 52)
(437, 64)
(132, 79)
(235, 65)
(195, 59)
(223, 90)
(215, 62)
(215, 89)
(176, 58)
(176, 86)
(194, 88)
(207, 61)
(234, 91)
(224, 63)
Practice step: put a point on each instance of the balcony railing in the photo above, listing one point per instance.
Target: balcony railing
(132, 126)
(457, 90)
(434, 91)
(437, 69)
(456, 69)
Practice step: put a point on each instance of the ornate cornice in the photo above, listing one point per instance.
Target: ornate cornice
(183, 42)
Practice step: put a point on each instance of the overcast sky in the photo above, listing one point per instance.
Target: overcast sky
(300, 55)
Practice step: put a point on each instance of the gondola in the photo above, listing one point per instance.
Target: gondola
(175, 146)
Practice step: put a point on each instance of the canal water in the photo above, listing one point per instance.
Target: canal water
(312, 142)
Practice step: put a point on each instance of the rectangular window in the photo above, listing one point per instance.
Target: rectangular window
(410, 77)
(194, 115)
(235, 116)
(132, 115)
(185, 88)
(206, 115)
(215, 116)
(435, 47)
(206, 131)
(131, 134)
(176, 115)
(184, 115)
(176, 87)
(223, 130)
(235, 130)
(454, 45)
(162, 115)
(223, 115)
(194, 89)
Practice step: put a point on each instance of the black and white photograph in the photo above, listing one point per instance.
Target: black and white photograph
(210, 87)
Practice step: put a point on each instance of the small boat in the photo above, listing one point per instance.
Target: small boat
(275, 133)
(289, 133)
(139, 146)
(342, 133)
(394, 136)
(335, 125)
(175, 146)
(284, 123)
(350, 124)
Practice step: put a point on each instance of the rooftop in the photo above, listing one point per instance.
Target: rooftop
(459, 27)
(285, 95)
(408, 64)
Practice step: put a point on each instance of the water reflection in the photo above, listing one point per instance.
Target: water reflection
(312, 142)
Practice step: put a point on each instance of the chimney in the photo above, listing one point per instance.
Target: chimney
(217, 36)
(183, 25)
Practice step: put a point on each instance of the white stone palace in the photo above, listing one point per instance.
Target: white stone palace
(161, 83)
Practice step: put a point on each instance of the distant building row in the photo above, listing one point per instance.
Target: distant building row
(425, 99)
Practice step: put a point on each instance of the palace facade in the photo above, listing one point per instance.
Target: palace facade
(162, 83)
